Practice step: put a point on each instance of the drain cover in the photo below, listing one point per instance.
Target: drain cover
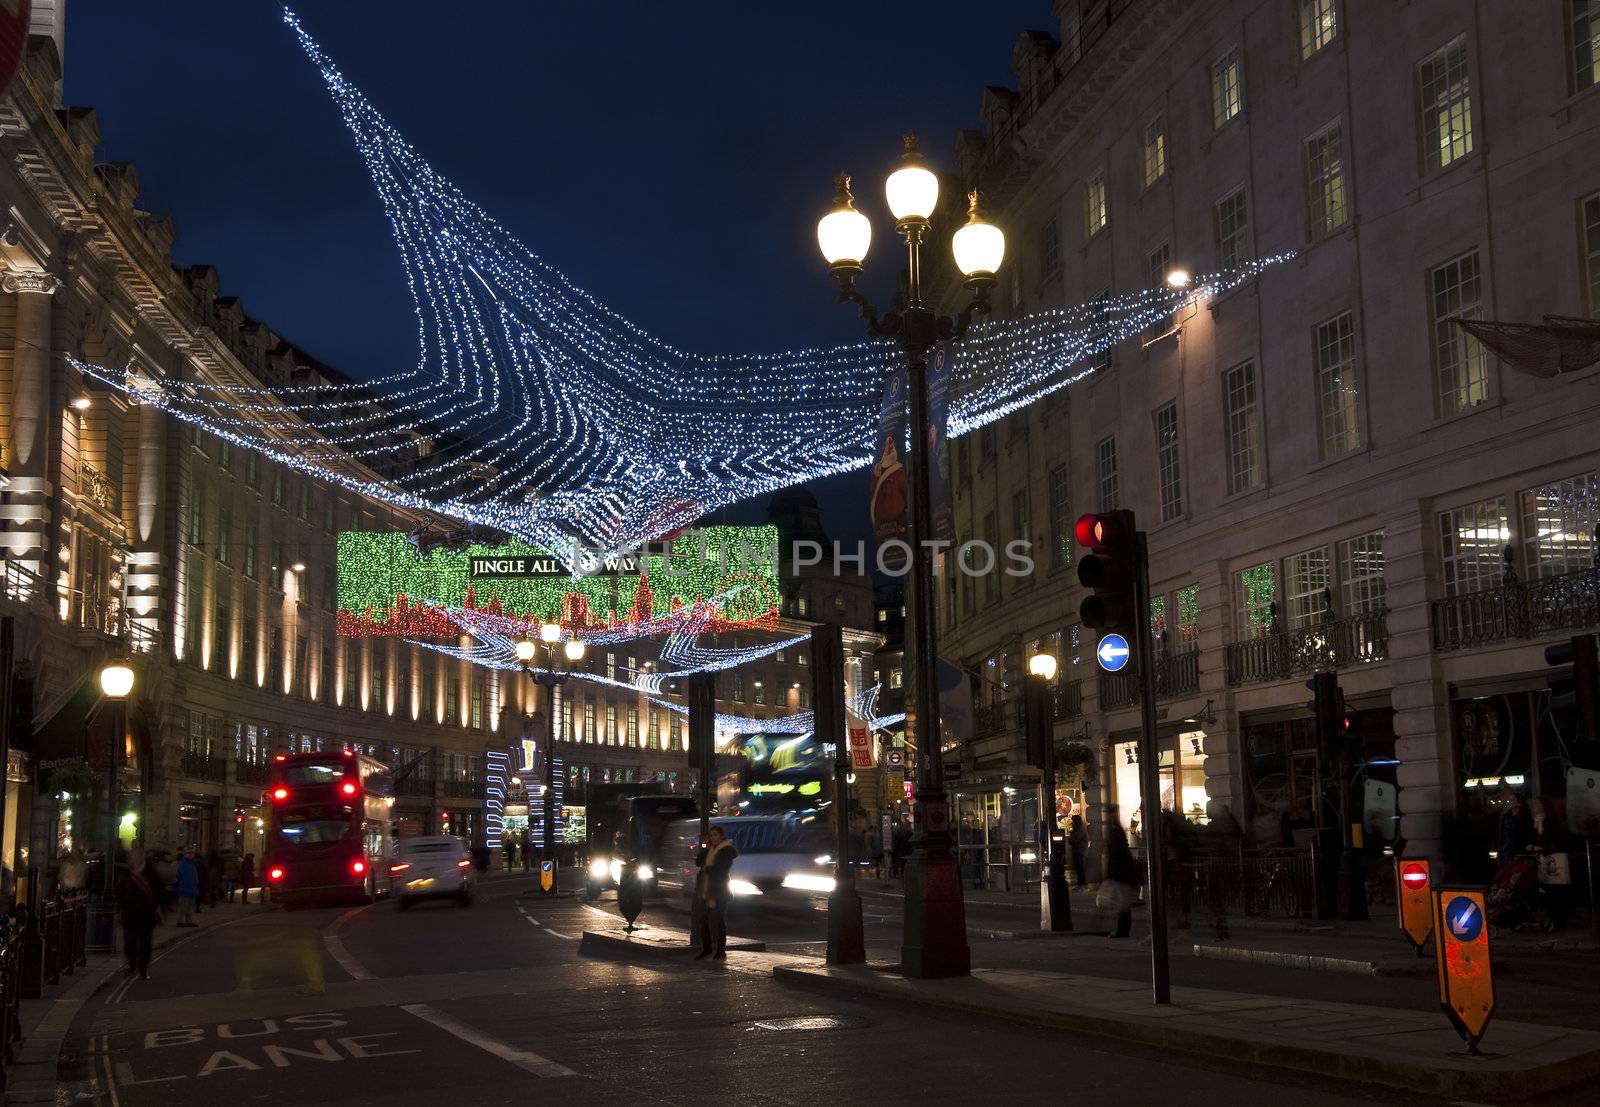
(809, 1022)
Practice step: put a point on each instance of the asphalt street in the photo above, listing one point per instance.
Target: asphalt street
(495, 1003)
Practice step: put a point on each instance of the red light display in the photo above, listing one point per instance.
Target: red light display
(275, 873)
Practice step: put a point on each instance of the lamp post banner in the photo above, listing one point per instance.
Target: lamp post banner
(940, 504)
(889, 488)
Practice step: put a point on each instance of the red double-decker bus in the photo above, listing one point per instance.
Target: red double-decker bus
(330, 834)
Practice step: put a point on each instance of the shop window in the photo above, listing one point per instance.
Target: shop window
(1558, 525)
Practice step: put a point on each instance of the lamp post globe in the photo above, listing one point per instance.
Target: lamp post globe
(574, 650)
(1043, 665)
(912, 190)
(979, 246)
(550, 633)
(844, 235)
(116, 680)
(526, 648)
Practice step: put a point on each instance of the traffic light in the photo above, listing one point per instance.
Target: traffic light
(1575, 683)
(1324, 706)
(1109, 570)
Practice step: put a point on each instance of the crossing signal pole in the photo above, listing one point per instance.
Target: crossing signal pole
(1575, 682)
(1338, 749)
(1116, 570)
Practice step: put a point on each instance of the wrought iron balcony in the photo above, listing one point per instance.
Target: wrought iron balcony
(1329, 644)
(1178, 674)
(1068, 697)
(251, 772)
(992, 718)
(1517, 609)
(199, 765)
(456, 788)
(1118, 689)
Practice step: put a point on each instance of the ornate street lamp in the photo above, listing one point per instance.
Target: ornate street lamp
(116, 683)
(935, 918)
(550, 676)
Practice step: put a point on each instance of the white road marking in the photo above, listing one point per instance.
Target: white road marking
(546, 929)
(526, 1061)
(111, 1080)
(336, 947)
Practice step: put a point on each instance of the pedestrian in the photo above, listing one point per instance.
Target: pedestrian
(213, 878)
(71, 875)
(230, 873)
(1078, 843)
(511, 851)
(1555, 865)
(205, 877)
(527, 849)
(187, 887)
(247, 876)
(1120, 889)
(902, 849)
(139, 904)
(716, 865)
(168, 873)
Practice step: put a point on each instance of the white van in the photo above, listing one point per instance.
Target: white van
(432, 867)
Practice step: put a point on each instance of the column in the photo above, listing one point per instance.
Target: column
(145, 516)
(25, 516)
(1224, 759)
(1421, 711)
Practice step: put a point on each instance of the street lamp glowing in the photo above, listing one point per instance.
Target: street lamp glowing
(82, 403)
(574, 650)
(1043, 665)
(1179, 278)
(116, 680)
(525, 650)
(299, 566)
(844, 234)
(913, 189)
(979, 246)
(550, 633)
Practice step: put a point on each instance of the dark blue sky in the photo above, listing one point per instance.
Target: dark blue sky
(671, 158)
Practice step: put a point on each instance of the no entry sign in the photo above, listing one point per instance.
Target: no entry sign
(1413, 879)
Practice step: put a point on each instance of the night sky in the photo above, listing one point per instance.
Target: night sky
(671, 158)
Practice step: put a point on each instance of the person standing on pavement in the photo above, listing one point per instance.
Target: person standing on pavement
(716, 866)
(188, 887)
(139, 904)
(247, 876)
(527, 850)
(1078, 845)
(1120, 888)
(510, 847)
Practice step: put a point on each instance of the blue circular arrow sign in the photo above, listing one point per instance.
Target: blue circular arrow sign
(1463, 919)
(1112, 653)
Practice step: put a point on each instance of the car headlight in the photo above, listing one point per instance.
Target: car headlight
(809, 882)
(616, 870)
(743, 888)
(598, 867)
(823, 859)
(643, 872)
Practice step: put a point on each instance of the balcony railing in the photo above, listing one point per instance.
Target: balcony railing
(199, 765)
(251, 772)
(1068, 700)
(457, 789)
(414, 786)
(19, 583)
(990, 718)
(1517, 609)
(1178, 674)
(1329, 644)
(1118, 689)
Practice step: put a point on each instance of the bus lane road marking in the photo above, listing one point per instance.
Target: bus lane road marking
(246, 1045)
(525, 1060)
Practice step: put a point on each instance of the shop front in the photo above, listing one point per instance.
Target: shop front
(1181, 759)
(996, 821)
(1290, 789)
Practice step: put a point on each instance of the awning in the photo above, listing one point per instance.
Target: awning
(63, 737)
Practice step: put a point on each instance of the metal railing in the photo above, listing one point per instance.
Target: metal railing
(1517, 609)
(1068, 700)
(19, 583)
(456, 788)
(1118, 689)
(414, 786)
(250, 772)
(1270, 882)
(199, 765)
(1328, 644)
(1178, 674)
(991, 718)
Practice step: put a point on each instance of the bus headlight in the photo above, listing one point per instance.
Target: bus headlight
(616, 870)
(743, 888)
(809, 882)
(598, 868)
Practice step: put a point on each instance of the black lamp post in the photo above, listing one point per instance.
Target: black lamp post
(1055, 904)
(935, 942)
(549, 677)
(116, 682)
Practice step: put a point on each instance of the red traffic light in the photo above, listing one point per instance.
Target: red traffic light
(1413, 875)
(1109, 529)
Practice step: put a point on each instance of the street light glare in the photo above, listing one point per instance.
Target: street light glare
(525, 649)
(979, 246)
(1043, 665)
(116, 680)
(574, 650)
(1179, 278)
(550, 633)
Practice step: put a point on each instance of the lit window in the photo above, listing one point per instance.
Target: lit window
(1461, 371)
(1319, 25)
(1361, 574)
(1255, 599)
(1446, 106)
(1227, 89)
(1558, 525)
(1157, 266)
(1306, 587)
(1049, 251)
(1585, 44)
(1589, 229)
(1106, 459)
(1327, 210)
(1337, 392)
(1243, 414)
(1096, 213)
(1153, 151)
(1472, 541)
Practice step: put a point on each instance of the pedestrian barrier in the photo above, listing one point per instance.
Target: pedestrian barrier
(37, 946)
(1267, 882)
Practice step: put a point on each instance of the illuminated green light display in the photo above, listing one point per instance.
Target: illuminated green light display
(388, 588)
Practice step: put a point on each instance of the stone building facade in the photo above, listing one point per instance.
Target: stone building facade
(1331, 472)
